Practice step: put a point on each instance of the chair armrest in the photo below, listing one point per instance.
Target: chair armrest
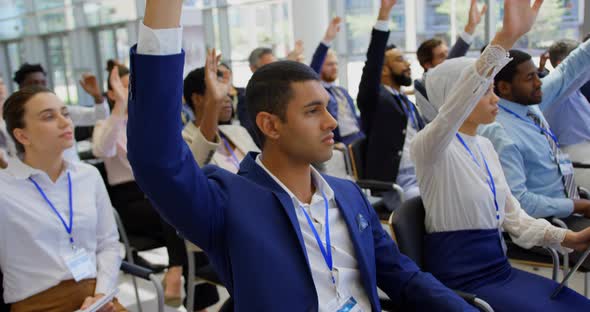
(474, 301)
(136, 270)
(584, 192)
(375, 185)
(580, 165)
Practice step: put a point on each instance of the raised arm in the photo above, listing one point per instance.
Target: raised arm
(371, 77)
(431, 142)
(107, 132)
(463, 43)
(319, 56)
(162, 163)
(568, 77)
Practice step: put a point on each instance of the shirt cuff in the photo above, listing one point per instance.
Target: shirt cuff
(467, 37)
(159, 41)
(565, 206)
(382, 25)
(328, 44)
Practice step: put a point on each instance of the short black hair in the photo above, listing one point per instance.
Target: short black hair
(560, 49)
(424, 52)
(509, 71)
(269, 89)
(21, 74)
(194, 82)
(390, 47)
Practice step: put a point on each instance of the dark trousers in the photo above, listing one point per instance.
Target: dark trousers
(141, 219)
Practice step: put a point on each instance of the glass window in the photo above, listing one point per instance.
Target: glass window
(60, 68)
(13, 53)
(109, 11)
(261, 24)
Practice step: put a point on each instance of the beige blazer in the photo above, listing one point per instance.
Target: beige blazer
(205, 152)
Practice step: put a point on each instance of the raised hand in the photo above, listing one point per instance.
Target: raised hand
(216, 90)
(162, 14)
(385, 9)
(297, 53)
(475, 16)
(118, 92)
(332, 30)
(543, 61)
(519, 17)
(90, 84)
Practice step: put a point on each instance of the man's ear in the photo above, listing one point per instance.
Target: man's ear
(269, 125)
(504, 88)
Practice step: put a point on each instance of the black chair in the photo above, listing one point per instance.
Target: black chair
(407, 223)
(356, 162)
(134, 270)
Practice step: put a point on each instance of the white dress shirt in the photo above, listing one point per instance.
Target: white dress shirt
(84, 116)
(454, 189)
(346, 271)
(109, 142)
(34, 243)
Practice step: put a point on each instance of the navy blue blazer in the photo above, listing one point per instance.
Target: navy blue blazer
(317, 61)
(246, 223)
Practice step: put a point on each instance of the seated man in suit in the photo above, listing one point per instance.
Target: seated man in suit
(570, 119)
(388, 118)
(341, 106)
(260, 227)
(539, 173)
(435, 51)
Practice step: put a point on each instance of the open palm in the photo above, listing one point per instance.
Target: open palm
(519, 16)
(216, 90)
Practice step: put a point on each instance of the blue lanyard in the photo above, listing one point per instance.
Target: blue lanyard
(490, 181)
(326, 251)
(547, 132)
(231, 151)
(68, 228)
(412, 111)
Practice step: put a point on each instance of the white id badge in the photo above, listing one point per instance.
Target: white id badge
(80, 265)
(565, 164)
(344, 303)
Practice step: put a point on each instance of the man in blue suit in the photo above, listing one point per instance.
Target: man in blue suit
(341, 105)
(281, 236)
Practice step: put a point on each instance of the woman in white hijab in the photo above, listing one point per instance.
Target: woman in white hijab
(465, 194)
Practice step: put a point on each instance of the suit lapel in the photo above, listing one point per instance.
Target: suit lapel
(252, 171)
(350, 215)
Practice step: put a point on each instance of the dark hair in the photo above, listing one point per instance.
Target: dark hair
(424, 53)
(21, 74)
(14, 110)
(509, 71)
(226, 66)
(559, 50)
(194, 82)
(269, 89)
(390, 47)
(258, 53)
(123, 71)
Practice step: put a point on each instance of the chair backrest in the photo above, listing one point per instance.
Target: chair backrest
(408, 225)
(356, 153)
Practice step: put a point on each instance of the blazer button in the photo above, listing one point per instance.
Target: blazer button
(399, 153)
(404, 131)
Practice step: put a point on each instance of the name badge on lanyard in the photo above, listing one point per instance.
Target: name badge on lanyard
(77, 260)
(343, 301)
(565, 164)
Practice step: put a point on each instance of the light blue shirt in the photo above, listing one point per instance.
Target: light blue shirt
(570, 120)
(525, 154)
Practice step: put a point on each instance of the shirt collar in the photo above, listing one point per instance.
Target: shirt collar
(391, 90)
(328, 85)
(22, 171)
(519, 109)
(320, 182)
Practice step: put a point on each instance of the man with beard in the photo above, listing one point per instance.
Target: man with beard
(539, 173)
(341, 105)
(388, 118)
